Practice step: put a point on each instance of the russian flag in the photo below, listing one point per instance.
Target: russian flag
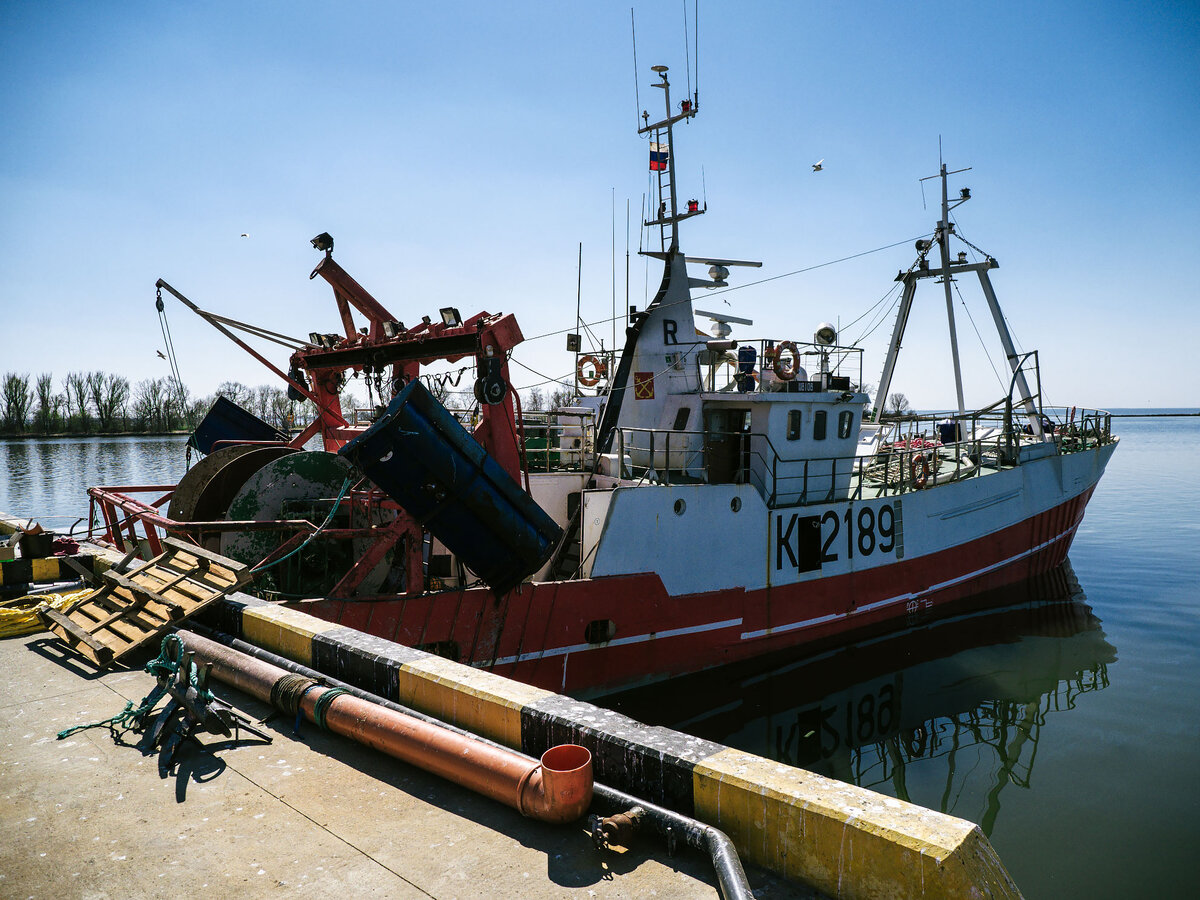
(658, 157)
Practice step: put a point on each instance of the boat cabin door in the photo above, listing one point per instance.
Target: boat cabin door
(727, 445)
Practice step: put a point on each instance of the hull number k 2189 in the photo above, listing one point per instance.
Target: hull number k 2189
(805, 543)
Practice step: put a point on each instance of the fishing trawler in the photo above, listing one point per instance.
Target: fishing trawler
(710, 499)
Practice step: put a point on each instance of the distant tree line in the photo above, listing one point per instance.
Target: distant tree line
(102, 403)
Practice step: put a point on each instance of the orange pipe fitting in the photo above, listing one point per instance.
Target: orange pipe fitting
(558, 788)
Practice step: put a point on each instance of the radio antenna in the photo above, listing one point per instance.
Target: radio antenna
(636, 93)
(687, 56)
(614, 268)
(696, 26)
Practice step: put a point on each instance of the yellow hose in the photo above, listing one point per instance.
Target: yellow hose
(20, 616)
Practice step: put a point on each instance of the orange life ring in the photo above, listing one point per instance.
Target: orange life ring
(588, 380)
(920, 472)
(786, 373)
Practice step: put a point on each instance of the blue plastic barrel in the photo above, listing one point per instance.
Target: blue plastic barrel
(419, 455)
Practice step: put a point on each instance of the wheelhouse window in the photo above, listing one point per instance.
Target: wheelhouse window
(819, 425)
(793, 425)
(845, 423)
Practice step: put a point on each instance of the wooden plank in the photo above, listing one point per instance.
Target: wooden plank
(79, 568)
(87, 599)
(74, 633)
(182, 584)
(226, 571)
(197, 551)
(137, 588)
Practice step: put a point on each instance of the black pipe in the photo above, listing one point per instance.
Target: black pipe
(672, 826)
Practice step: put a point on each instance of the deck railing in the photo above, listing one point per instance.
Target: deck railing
(913, 452)
(811, 367)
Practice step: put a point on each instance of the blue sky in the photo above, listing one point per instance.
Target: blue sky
(460, 152)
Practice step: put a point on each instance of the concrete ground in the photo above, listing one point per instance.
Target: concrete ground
(90, 817)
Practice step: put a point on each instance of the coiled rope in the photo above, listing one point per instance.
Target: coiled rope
(20, 615)
(288, 692)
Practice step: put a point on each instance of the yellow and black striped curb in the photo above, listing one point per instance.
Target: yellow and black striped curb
(23, 572)
(844, 840)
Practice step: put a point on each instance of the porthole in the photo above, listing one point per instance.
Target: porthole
(735, 504)
(680, 506)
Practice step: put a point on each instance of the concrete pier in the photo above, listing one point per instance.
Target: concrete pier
(316, 815)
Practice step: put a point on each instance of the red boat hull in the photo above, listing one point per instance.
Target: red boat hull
(539, 633)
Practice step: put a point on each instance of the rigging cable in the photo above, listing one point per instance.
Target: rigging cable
(831, 262)
(165, 328)
(971, 319)
(817, 266)
(985, 254)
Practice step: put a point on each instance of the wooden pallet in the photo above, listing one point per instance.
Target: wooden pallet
(134, 607)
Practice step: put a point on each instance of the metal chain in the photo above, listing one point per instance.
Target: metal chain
(958, 235)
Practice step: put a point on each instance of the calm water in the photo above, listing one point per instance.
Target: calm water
(1070, 731)
(49, 478)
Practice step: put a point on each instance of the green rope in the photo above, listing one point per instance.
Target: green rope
(329, 518)
(164, 667)
(322, 704)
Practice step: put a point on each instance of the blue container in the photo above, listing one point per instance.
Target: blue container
(230, 424)
(747, 359)
(419, 455)
(949, 432)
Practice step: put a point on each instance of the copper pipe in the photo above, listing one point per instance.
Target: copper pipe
(558, 788)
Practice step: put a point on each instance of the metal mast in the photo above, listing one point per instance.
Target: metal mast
(944, 243)
(921, 270)
(668, 208)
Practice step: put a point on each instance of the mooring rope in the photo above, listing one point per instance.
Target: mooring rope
(164, 667)
(289, 691)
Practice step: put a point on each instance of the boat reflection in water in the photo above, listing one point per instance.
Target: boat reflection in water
(950, 710)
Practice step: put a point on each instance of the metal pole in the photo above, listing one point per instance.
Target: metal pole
(578, 300)
(1010, 351)
(944, 246)
(889, 365)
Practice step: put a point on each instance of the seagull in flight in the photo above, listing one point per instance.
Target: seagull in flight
(244, 234)
(160, 353)
(817, 166)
